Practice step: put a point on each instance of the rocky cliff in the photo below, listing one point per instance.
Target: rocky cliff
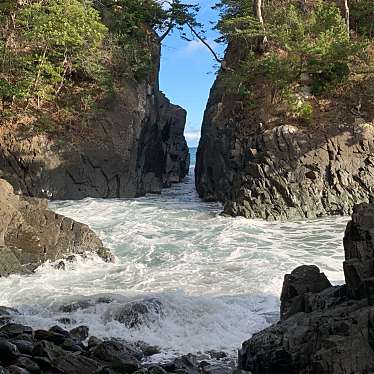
(263, 163)
(323, 329)
(30, 234)
(134, 145)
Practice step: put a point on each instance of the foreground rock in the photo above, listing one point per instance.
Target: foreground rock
(262, 163)
(324, 329)
(24, 351)
(30, 234)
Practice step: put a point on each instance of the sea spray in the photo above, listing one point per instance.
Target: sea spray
(218, 279)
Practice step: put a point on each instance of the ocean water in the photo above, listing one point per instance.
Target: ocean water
(218, 279)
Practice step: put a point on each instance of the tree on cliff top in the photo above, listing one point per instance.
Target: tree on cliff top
(130, 19)
(307, 44)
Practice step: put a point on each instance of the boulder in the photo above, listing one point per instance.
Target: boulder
(80, 333)
(324, 329)
(30, 234)
(28, 364)
(111, 350)
(76, 364)
(302, 281)
(15, 329)
(138, 313)
(8, 352)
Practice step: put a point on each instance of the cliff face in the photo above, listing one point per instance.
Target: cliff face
(323, 329)
(30, 234)
(262, 164)
(134, 146)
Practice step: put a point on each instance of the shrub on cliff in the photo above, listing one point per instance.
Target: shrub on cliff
(44, 45)
(302, 46)
(67, 56)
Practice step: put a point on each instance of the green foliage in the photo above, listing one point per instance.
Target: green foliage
(314, 43)
(298, 106)
(54, 39)
(68, 53)
(362, 15)
(134, 25)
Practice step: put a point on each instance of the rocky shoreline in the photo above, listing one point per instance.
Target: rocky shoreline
(24, 350)
(323, 329)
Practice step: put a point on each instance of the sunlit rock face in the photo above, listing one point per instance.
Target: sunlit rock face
(133, 146)
(263, 163)
(30, 234)
(323, 329)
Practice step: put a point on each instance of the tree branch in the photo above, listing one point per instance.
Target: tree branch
(216, 57)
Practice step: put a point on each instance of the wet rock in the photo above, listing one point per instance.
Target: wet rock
(334, 331)
(93, 341)
(15, 329)
(8, 352)
(26, 337)
(67, 321)
(187, 364)
(13, 369)
(76, 305)
(216, 369)
(76, 364)
(303, 280)
(44, 363)
(141, 371)
(5, 311)
(51, 336)
(28, 364)
(9, 263)
(112, 350)
(217, 355)
(23, 346)
(47, 350)
(60, 265)
(125, 365)
(137, 313)
(71, 259)
(80, 333)
(30, 234)
(148, 350)
(72, 346)
(59, 330)
(155, 369)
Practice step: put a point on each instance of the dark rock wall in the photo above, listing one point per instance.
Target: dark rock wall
(136, 145)
(262, 164)
(30, 234)
(324, 329)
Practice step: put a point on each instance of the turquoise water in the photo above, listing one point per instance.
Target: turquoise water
(218, 278)
(193, 156)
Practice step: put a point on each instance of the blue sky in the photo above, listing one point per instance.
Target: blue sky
(188, 71)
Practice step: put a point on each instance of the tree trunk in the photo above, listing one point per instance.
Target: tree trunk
(258, 13)
(346, 16)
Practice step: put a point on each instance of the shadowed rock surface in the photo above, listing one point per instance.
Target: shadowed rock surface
(323, 330)
(24, 350)
(133, 146)
(261, 163)
(30, 234)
